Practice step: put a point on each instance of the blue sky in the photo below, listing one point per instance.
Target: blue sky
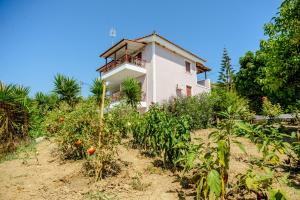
(40, 38)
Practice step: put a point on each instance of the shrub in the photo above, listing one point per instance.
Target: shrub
(270, 110)
(199, 108)
(122, 119)
(224, 99)
(77, 130)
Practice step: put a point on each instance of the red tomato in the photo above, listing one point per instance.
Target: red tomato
(91, 150)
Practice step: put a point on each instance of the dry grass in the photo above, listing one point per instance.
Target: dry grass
(139, 177)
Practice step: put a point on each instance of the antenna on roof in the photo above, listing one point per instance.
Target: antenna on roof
(112, 34)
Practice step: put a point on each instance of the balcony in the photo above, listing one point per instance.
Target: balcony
(125, 60)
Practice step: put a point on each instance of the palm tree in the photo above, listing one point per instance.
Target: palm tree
(66, 88)
(131, 91)
(97, 89)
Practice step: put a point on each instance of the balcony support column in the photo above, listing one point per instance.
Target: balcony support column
(115, 59)
(126, 52)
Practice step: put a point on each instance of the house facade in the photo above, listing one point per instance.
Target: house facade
(164, 69)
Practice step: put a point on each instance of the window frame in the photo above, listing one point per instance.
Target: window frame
(190, 66)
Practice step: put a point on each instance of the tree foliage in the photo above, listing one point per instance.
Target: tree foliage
(247, 80)
(226, 73)
(275, 67)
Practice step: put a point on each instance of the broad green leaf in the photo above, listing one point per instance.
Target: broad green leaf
(214, 182)
(251, 183)
(276, 195)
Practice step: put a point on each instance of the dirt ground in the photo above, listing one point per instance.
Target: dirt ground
(43, 175)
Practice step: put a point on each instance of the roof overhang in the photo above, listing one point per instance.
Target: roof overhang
(154, 37)
(201, 68)
(120, 48)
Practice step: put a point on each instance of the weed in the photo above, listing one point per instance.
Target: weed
(22, 149)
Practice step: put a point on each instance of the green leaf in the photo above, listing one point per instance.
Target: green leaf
(276, 195)
(214, 182)
(251, 183)
(240, 145)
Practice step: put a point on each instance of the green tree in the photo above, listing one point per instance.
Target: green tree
(97, 89)
(66, 88)
(274, 70)
(282, 71)
(247, 80)
(131, 91)
(226, 73)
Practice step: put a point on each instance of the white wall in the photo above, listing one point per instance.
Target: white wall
(170, 71)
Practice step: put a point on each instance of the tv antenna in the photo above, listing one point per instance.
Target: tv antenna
(112, 34)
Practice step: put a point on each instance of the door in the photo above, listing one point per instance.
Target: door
(188, 91)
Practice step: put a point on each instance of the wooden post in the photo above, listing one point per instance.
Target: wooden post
(98, 161)
(126, 53)
(102, 105)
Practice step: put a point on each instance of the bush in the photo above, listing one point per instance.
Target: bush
(79, 135)
(224, 99)
(199, 108)
(122, 119)
(270, 110)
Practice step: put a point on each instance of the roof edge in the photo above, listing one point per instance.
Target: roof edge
(154, 33)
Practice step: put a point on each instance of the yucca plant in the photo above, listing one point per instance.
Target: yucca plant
(45, 102)
(13, 114)
(97, 89)
(131, 91)
(67, 89)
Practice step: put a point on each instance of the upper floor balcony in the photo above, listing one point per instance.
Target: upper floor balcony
(123, 60)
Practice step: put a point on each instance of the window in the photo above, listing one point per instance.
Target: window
(178, 92)
(187, 66)
(188, 91)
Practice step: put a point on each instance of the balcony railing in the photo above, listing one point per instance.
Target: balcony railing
(124, 59)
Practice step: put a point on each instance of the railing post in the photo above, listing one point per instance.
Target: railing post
(115, 59)
(126, 53)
